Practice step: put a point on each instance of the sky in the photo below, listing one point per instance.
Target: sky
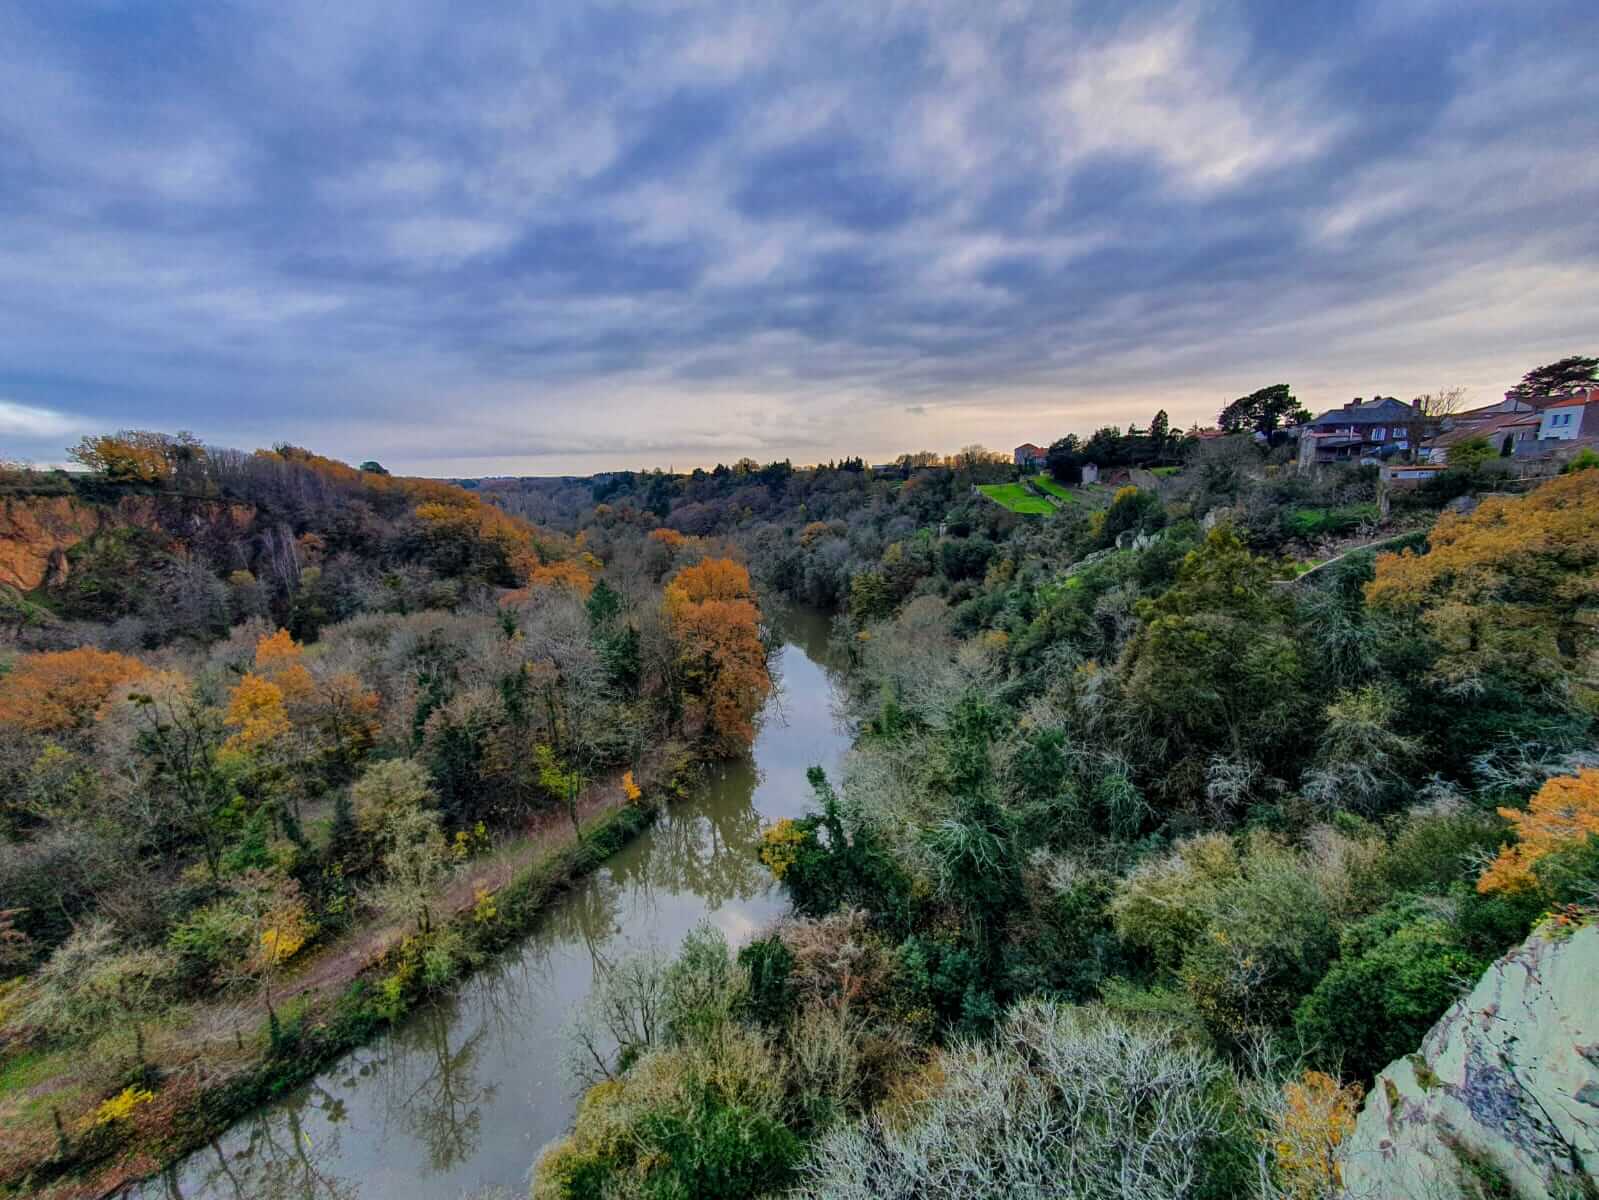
(473, 238)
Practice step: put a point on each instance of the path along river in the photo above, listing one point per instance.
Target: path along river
(459, 1099)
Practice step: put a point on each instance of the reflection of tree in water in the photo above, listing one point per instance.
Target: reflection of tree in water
(707, 848)
(279, 1160)
(442, 1107)
(589, 914)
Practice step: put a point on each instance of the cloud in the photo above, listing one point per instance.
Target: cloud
(667, 232)
(26, 421)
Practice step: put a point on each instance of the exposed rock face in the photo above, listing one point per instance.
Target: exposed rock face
(37, 531)
(35, 534)
(1505, 1086)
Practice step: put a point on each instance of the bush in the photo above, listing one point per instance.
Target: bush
(1065, 1103)
(697, 1121)
(1398, 970)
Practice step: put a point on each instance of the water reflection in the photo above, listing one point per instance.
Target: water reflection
(461, 1097)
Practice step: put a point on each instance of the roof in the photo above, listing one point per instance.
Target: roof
(1503, 423)
(1029, 448)
(1545, 403)
(1384, 411)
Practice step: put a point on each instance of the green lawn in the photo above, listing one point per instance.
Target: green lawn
(1165, 472)
(1015, 497)
(1045, 483)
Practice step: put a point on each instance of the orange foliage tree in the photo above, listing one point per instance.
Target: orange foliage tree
(63, 689)
(1510, 590)
(1564, 812)
(712, 612)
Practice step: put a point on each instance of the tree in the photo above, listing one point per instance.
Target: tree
(1215, 668)
(178, 734)
(711, 609)
(278, 926)
(416, 861)
(1569, 374)
(1563, 813)
(1434, 406)
(372, 467)
(1072, 1103)
(61, 690)
(1469, 454)
(1504, 591)
(1065, 459)
(1261, 411)
(137, 455)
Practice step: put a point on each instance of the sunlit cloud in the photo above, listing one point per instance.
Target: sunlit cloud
(678, 234)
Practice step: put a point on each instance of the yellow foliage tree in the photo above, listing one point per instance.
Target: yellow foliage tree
(63, 689)
(1314, 1119)
(135, 455)
(1509, 590)
(257, 712)
(1565, 811)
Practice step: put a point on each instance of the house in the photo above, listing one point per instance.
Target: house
(1505, 431)
(893, 470)
(1030, 457)
(1567, 418)
(1522, 427)
(1361, 429)
(1090, 472)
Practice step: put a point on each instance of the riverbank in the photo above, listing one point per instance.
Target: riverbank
(199, 1079)
(457, 1099)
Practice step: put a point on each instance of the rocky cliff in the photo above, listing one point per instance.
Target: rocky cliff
(37, 531)
(1502, 1100)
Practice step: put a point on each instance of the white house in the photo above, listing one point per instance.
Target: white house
(1562, 420)
(1090, 473)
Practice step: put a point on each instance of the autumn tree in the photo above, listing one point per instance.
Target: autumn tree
(1314, 1116)
(61, 690)
(137, 455)
(279, 926)
(1564, 812)
(1569, 374)
(712, 611)
(1507, 591)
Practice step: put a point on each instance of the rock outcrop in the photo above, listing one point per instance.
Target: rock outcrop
(1503, 1097)
(35, 535)
(37, 531)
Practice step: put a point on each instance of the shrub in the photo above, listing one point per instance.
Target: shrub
(1065, 1103)
(1161, 907)
(1313, 1118)
(1398, 970)
(696, 1121)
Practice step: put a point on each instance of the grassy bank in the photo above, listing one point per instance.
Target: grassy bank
(1016, 498)
(174, 1111)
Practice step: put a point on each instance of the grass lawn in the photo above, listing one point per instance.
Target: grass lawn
(1015, 497)
(1165, 472)
(1045, 484)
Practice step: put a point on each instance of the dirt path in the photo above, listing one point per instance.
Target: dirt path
(332, 970)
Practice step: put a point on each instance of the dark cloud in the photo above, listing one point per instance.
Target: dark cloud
(443, 234)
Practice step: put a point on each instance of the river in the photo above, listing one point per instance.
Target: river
(458, 1100)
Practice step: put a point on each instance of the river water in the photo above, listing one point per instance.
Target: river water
(458, 1100)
